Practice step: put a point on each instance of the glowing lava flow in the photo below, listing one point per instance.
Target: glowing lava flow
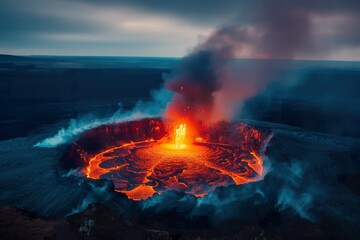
(141, 169)
(180, 134)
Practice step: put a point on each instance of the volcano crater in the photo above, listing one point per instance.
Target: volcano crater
(141, 160)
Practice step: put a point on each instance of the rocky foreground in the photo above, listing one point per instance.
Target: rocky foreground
(99, 222)
(96, 222)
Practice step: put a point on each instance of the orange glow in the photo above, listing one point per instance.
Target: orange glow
(181, 157)
(94, 170)
(180, 134)
(199, 139)
(156, 167)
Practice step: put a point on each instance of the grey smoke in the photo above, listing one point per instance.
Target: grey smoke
(207, 90)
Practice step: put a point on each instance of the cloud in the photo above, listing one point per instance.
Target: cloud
(77, 28)
(164, 28)
(200, 12)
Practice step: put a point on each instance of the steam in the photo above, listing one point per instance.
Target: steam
(301, 183)
(79, 126)
(208, 88)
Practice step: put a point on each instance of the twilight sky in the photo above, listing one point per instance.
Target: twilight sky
(173, 28)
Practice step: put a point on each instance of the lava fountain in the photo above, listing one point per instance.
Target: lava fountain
(150, 156)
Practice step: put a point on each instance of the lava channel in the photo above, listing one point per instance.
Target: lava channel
(141, 159)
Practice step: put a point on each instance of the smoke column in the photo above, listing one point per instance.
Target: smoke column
(208, 88)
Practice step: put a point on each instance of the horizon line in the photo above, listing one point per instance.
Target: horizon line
(177, 57)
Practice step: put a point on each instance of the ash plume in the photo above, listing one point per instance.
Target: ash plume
(209, 88)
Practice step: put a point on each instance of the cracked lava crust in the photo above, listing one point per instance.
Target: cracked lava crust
(149, 156)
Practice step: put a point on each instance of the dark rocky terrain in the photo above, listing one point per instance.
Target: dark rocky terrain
(311, 192)
(100, 222)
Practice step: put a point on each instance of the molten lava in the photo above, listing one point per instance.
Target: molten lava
(225, 154)
(180, 134)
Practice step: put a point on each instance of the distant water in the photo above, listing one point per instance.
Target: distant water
(113, 62)
(171, 63)
(38, 90)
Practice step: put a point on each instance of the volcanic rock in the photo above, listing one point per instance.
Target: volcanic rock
(100, 222)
